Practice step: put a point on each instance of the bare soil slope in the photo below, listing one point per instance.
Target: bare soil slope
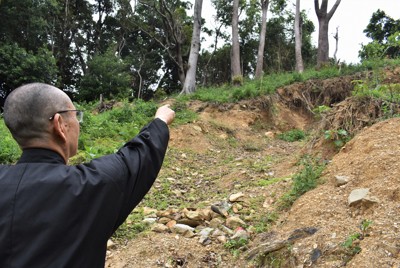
(231, 148)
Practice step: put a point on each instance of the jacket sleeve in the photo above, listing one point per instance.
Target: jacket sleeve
(143, 157)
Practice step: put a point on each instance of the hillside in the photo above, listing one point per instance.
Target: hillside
(229, 168)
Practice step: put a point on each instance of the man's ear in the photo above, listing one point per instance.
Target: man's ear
(59, 128)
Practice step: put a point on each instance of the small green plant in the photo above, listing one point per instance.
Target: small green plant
(303, 181)
(265, 222)
(234, 246)
(338, 137)
(365, 226)
(292, 135)
(351, 244)
(320, 110)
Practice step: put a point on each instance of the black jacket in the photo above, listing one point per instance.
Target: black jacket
(55, 215)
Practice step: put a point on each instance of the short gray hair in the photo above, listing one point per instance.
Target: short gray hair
(27, 110)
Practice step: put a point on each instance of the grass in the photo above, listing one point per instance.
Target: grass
(271, 82)
(303, 181)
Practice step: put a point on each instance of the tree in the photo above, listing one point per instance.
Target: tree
(168, 24)
(384, 32)
(298, 39)
(235, 58)
(108, 75)
(190, 80)
(260, 54)
(323, 20)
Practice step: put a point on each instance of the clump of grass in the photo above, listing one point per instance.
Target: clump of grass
(303, 181)
(292, 135)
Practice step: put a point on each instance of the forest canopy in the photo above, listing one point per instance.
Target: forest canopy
(120, 50)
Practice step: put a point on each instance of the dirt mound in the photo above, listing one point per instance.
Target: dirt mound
(370, 161)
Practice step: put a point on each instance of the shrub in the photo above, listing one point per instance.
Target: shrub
(292, 135)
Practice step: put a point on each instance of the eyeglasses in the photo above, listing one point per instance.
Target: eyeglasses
(79, 114)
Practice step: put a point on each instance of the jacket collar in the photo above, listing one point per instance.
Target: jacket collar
(40, 155)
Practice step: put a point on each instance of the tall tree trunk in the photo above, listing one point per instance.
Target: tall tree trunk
(261, 44)
(323, 20)
(298, 39)
(235, 57)
(190, 81)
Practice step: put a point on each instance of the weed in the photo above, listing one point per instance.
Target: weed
(292, 135)
(320, 110)
(303, 181)
(351, 245)
(352, 242)
(234, 246)
(263, 224)
(338, 137)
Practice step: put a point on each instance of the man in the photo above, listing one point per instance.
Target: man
(56, 215)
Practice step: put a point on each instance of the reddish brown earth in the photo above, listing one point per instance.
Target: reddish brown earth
(231, 147)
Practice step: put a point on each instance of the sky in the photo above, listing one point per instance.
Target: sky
(351, 16)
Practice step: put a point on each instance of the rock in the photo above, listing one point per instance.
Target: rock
(197, 128)
(110, 244)
(226, 230)
(357, 196)
(217, 232)
(315, 254)
(236, 197)
(216, 222)
(171, 224)
(269, 134)
(191, 223)
(239, 234)
(234, 222)
(170, 213)
(341, 180)
(164, 220)
(222, 239)
(361, 195)
(159, 228)
(149, 221)
(206, 214)
(147, 211)
(181, 228)
(221, 208)
(193, 215)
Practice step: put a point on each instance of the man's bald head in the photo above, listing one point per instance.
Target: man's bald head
(28, 108)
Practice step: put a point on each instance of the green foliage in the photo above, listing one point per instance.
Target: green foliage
(234, 246)
(182, 114)
(349, 244)
(352, 242)
(264, 223)
(292, 135)
(303, 181)
(385, 34)
(237, 80)
(339, 137)
(367, 88)
(106, 132)
(18, 66)
(108, 75)
(9, 149)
